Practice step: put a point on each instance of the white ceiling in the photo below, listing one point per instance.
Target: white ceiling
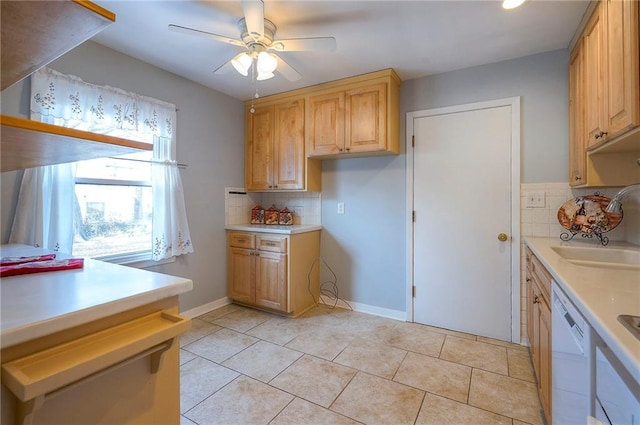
(416, 38)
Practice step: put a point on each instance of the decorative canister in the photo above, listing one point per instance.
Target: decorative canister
(271, 215)
(257, 215)
(286, 217)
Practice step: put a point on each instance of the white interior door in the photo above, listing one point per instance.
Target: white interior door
(462, 198)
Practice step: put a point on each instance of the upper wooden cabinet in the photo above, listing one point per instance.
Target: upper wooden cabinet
(577, 139)
(275, 149)
(623, 75)
(352, 121)
(604, 98)
(288, 133)
(594, 75)
(35, 33)
(355, 117)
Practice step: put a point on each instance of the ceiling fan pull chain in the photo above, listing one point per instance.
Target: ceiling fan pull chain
(254, 86)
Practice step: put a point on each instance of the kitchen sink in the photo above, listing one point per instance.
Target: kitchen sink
(617, 258)
(632, 323)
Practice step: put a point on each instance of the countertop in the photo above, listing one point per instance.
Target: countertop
(269, 228)
(39, 304)
(600, 294)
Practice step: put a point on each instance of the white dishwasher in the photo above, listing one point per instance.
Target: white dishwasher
(617, 393)
(571, 389)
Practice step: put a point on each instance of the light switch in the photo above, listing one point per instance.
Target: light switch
(534, 199)
(340, 207)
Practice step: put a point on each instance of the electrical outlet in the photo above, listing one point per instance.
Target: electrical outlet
(340, 207)
(534, 200)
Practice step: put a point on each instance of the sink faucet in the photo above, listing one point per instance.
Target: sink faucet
(615, 206)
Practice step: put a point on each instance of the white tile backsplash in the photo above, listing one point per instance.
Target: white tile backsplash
(543, 222)
(305, 205)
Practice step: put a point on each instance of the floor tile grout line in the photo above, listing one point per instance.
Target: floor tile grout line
(209, 396)
(516, 349)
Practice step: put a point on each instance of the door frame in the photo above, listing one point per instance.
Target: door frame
(514, 103)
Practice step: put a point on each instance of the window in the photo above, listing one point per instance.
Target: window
(114, 211)
(121, 209)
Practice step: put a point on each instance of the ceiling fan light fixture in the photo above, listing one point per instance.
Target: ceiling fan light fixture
(242, 63)
(511, 4)
(267, 63)
(264, 76)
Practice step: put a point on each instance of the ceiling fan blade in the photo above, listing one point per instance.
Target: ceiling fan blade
(286, 70)
(191, 31)
(225, 68)
(322, 44)
(254, 17)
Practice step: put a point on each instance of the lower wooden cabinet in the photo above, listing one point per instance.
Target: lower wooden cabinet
(539, 327)
(274, 271)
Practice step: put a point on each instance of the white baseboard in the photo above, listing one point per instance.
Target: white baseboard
(205, 308)
(362, 308)
(366, 308)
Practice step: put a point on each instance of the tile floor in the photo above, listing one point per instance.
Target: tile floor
(335, 366)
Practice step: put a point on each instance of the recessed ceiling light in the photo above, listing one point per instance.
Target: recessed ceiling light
(511, 4)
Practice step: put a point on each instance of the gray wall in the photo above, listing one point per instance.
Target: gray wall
(210, 139)
(366, 246)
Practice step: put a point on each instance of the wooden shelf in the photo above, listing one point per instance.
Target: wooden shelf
(35, 33)
(47, 371)
(27, 144)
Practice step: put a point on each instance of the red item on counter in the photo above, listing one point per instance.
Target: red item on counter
(10, 261)
(41, 266)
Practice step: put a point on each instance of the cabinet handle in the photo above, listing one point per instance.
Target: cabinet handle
(578, 178)
(528, 279)
(271, 244)
(347, 149)
(275, 186)
(257, 254)
(340, 149)
(535, 299)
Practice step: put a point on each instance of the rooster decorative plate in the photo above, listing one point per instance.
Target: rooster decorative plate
(586, 214)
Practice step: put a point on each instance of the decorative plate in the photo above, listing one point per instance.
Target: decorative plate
(586, 214)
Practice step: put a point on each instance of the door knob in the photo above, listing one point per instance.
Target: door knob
(502, 237)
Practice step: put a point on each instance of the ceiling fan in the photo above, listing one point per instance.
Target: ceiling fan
(257, 37)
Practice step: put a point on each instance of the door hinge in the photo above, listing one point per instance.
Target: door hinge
(413, 141)
(413, 216)
(413, 291)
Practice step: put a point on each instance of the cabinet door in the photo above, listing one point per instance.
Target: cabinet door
(623, 112)
(530, 308)
(534, 304)
(366, 118)
(259, 149)
(326, 124)
(271, 280)
(288, 149)
(594, 60)
(241, 280)
(577, 155)
(544, 378)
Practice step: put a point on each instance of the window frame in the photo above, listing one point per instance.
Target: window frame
(139, 259)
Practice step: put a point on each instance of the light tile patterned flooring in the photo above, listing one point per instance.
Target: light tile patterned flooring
(335, 366)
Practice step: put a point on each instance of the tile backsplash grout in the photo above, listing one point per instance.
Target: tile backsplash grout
(306, 206)
(543, 222)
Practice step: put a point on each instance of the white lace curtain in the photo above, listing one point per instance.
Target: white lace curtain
(44, 213)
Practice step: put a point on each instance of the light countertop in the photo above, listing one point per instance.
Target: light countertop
(39, 304)
(269, 228)
(600, 294)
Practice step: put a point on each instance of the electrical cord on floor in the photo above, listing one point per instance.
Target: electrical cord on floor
(328, 289)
